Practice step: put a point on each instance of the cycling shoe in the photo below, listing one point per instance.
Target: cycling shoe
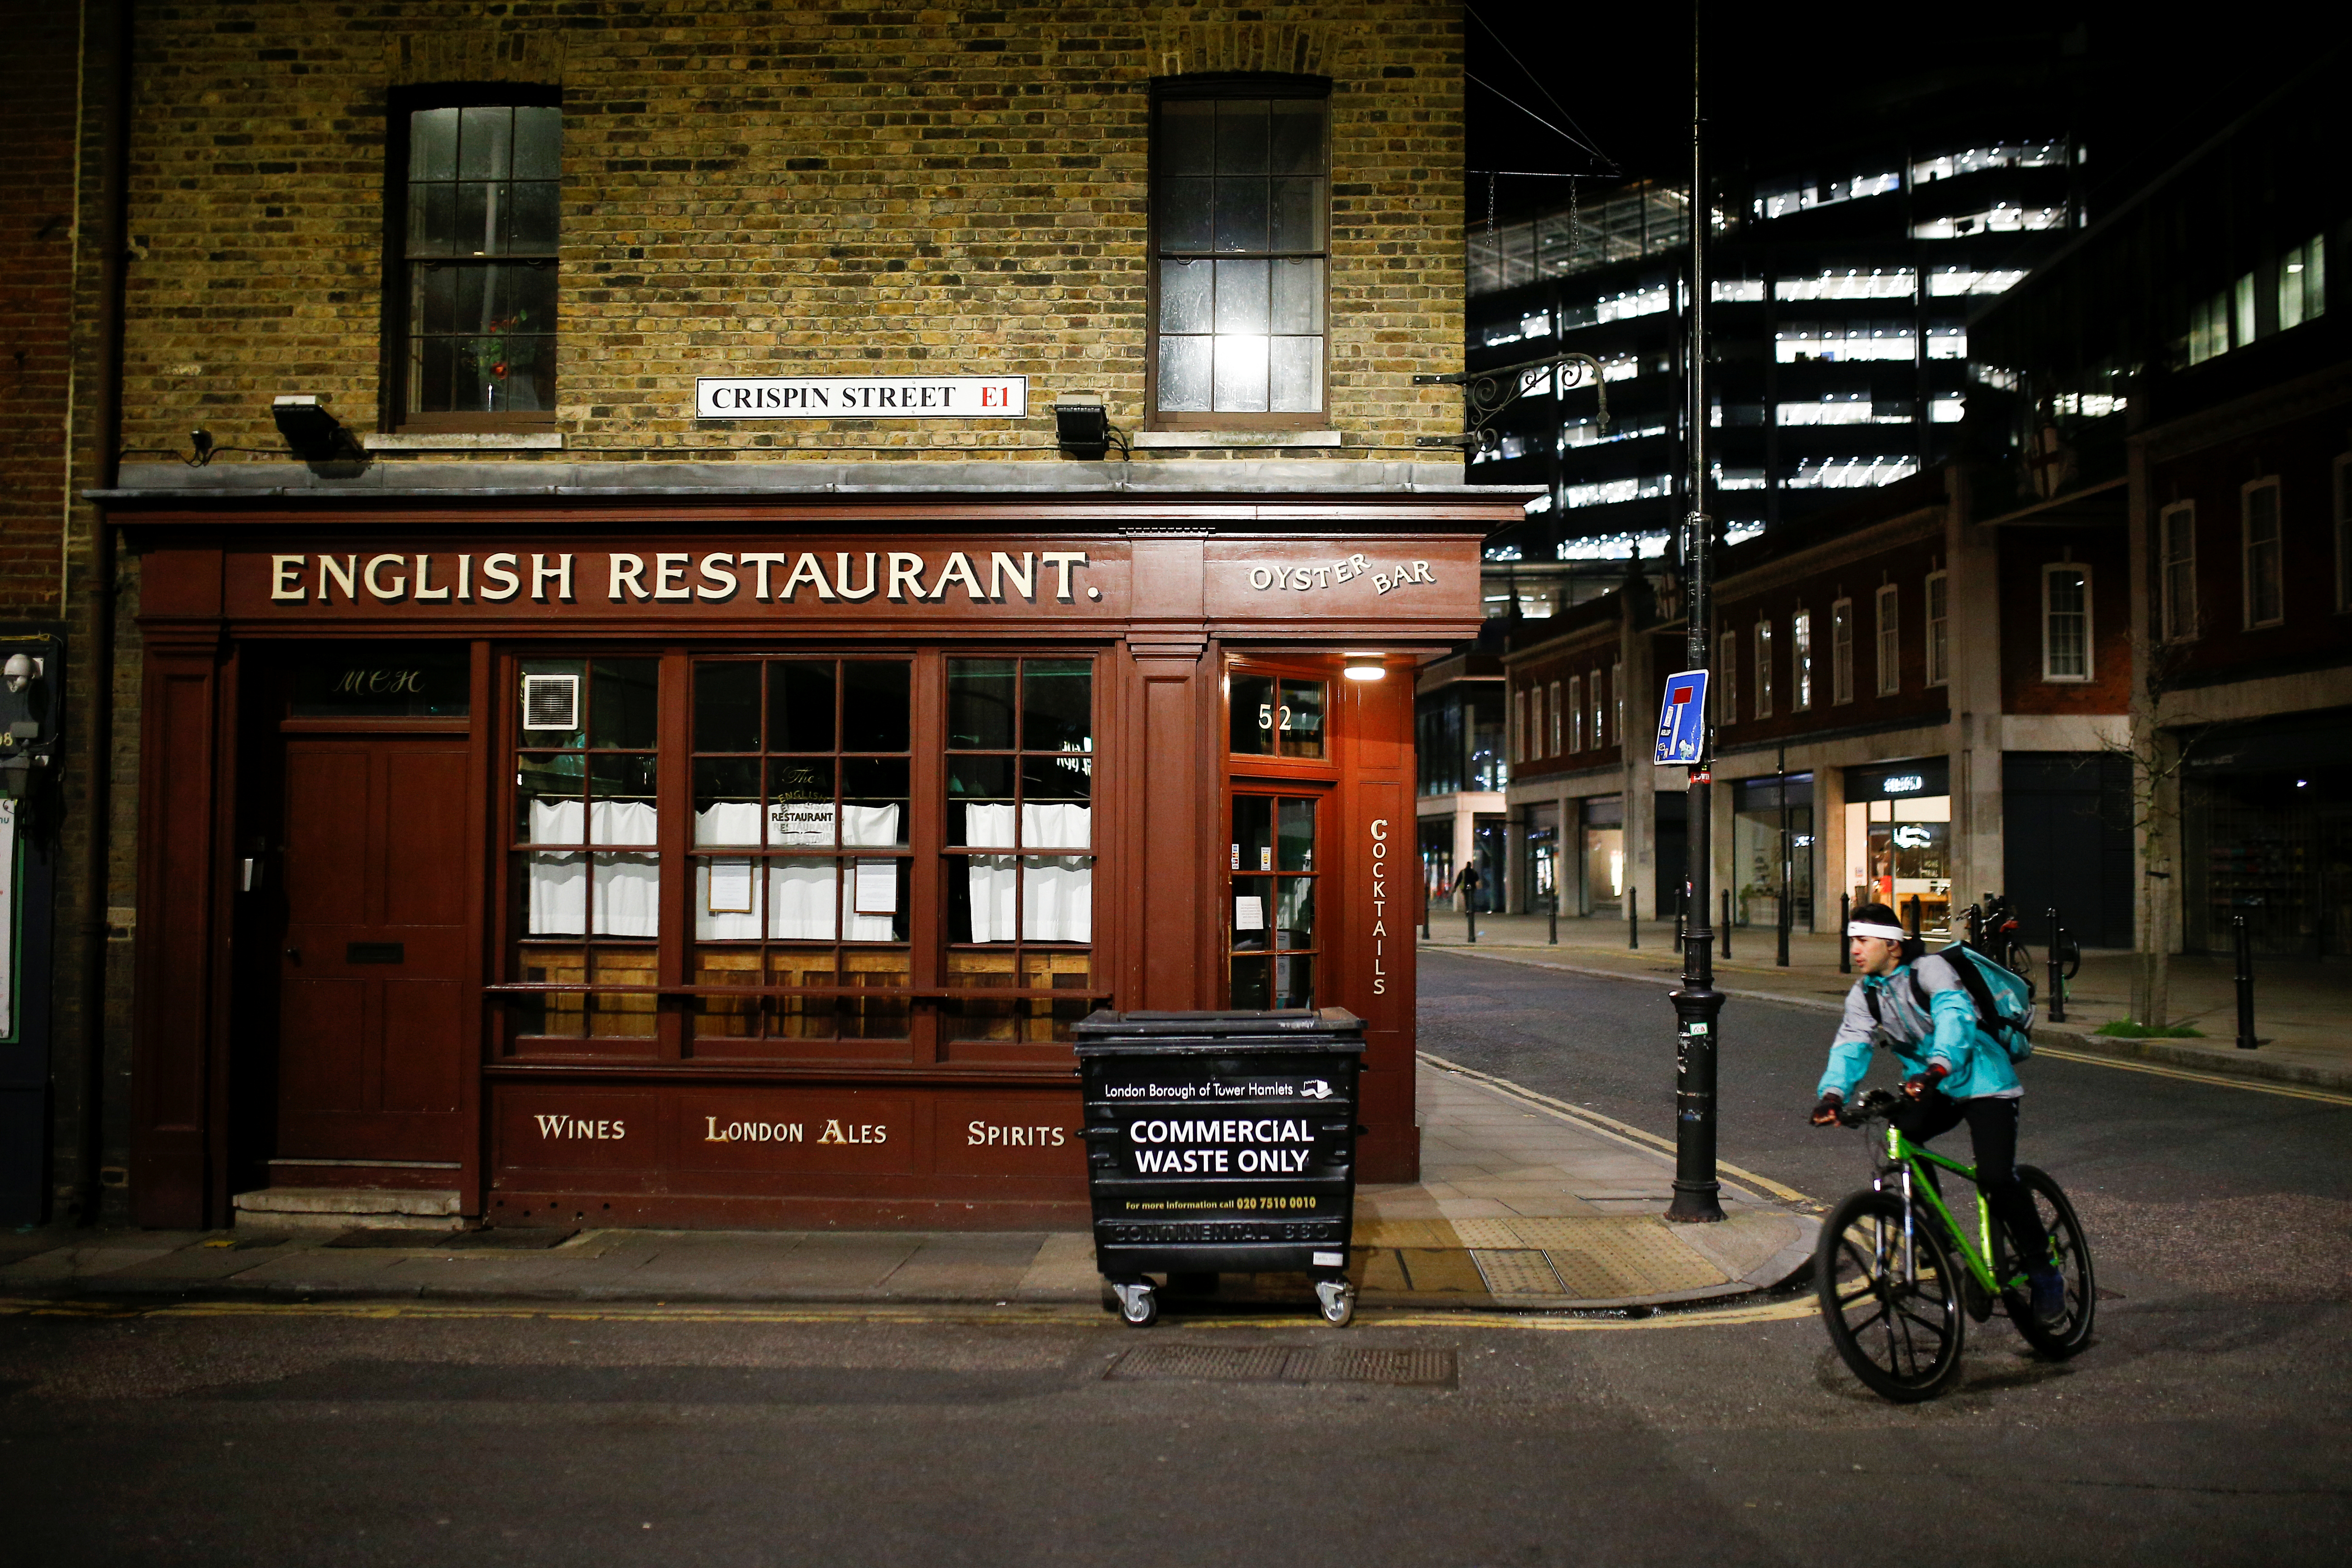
(2049, 1289)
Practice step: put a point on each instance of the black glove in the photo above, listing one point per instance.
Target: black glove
(1825, 1114)
(1918, 1084)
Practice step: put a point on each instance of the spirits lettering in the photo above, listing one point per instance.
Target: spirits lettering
(989, 1135)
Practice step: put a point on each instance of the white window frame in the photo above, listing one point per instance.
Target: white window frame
(1800, 661)
(1617, 700)
(1937, 590)
(1594, 709)
(1727, 674)
(1764, 668)
(2246, 566)
(1890, 639)
(2175, 622)
(1555, 734)
(1841, 651)
(1519, 725)
(1575, 714)
(2088, 671)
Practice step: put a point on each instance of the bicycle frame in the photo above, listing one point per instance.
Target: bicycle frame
(1903, 1157)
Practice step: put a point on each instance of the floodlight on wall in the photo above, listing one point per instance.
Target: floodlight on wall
(1364, 664)
(316, 435)
(1081, 425)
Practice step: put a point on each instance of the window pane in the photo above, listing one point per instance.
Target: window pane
(1296, 137)
(1187, 136)
(1297, 296)
(876, 709)
(1185, 296)
(1250, 982)
(1057, 705)
(1241, 216)
(548, 799)
(1242, 296)
(1253, 832)
(874, 801)
(980, 704)
(1294, 913)
(1046, 781)
(433, 298)
(1240, 374)
(726, 809)
(1294, 982)
(477, 221)
(803, 904)
(624, 704)
(432, 220)
(1297, 215)
(1252, 716)
(1298, 375)
(623, 1015)
(1241, 135)
(726, 706)
(1183, 379)
(980, 801)
(433, 144)
(800, 706)
(1184, 213)
(525, 376)
(628, 896)
(800, 806)
(538, 143)
(533, 218)
(1295, 852)
(485, 142)
(1300, 720)
(1057, 899)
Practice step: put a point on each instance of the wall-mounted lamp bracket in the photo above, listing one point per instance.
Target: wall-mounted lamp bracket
(1486, 393)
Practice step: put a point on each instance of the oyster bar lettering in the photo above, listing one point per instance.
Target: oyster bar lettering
(779, 576)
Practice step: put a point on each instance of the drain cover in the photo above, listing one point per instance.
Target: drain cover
(1283, 1363)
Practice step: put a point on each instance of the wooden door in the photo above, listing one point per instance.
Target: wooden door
(371, 1006)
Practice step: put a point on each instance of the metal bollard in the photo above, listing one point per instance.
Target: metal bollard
(2246, 1041)
(1555, 916)
(1845, 913)
(1470, 913)
(1425, 909)
(1787, 917)
(2057, 971)
(1726, 922)
(1911, 916)
(1633, 919)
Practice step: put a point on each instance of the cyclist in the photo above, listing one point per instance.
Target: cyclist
(1952, 1071)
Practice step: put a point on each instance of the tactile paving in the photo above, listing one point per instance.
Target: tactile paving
(1518, 1271)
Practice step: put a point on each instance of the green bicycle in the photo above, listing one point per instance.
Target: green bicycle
(1898, 1277)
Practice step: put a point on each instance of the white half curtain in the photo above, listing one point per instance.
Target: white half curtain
(798, 900)
(628, 887)
(1058, 891)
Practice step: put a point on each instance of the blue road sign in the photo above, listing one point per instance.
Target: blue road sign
(1682, 717)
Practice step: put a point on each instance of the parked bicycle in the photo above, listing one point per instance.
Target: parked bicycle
(1898, 1275)
(1993, 927)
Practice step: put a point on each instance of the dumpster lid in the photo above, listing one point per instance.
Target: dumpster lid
(1279, 1026)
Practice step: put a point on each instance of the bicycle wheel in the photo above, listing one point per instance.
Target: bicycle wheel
(1894, 1313)
(2072, 1253)
(2019, 961)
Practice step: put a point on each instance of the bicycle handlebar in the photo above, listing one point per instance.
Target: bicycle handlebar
(1878, 1103)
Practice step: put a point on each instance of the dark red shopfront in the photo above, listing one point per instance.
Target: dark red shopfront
(748, 865)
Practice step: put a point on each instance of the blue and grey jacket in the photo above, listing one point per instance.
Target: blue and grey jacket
(1945, 1032)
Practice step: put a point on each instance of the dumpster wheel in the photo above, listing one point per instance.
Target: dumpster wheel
(1139, 1303)
(1339, 1300)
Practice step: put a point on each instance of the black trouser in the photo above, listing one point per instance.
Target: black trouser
(1992, 1128)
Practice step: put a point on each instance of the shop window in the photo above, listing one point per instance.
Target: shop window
(1274, 716)
(1603, 851)
(1271, 938)
(1939, 629)
(2065, 623)
(1592, 691)
(1576, 713)
(1763, 670)
(1898, 853)
(1890, 640)
(1555, 719)
(1020, 833)
(2176, 528)
(474, 283)
(1800, 661)
(1239, 219)
(802, 789)
(1842, 651)
(588, 879)
(2265, 593)
(1727, 674)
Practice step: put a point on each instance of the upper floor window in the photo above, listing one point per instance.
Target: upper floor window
(2065, 622)
(1800, 661)
(1556, 723)
(1763, 670)
(1726, 675)
(1842, 651)
(2344, 532)
(2265, 593)
(1241, 238)
(475, 286)
(1521, 742)
(1890, 641)
(1576, 713)
(1617, 704)
(1939, 629)
(1599, 736)
(2177, 540)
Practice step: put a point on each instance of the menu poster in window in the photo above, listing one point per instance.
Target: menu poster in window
(1249, 914)
(876, 888)
(731, 888)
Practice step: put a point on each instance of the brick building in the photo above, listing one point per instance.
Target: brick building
(568, 379)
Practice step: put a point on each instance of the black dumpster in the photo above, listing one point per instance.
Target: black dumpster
(1221, 1142)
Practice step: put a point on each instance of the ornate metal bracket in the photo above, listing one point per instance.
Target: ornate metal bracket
(1486, 393)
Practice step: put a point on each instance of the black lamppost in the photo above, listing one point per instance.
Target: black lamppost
(1698, 1006)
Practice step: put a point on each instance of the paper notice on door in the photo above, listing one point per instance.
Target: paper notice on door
(1249, 914)
(731, 888)
(876, 888)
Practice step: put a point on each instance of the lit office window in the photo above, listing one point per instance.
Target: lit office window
(2303, 283)
(1939, 630)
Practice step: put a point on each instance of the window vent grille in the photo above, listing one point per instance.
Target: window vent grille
(550, 702)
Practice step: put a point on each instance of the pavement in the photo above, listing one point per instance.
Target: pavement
(2301, 1004)
(1526, 1204)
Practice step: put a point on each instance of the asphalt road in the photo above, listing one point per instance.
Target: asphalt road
(2203, 1424)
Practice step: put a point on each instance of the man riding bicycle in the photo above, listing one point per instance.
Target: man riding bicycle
(1953, 1072)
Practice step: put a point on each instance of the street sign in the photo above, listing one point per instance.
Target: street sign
(1682, 717)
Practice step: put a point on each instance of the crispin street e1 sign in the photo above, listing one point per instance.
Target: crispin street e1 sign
(1682, 717)
(861, 397)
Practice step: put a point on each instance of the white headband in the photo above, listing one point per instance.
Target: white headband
(1871, 927)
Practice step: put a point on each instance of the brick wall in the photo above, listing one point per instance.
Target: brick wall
(37, 235)
(768, 188)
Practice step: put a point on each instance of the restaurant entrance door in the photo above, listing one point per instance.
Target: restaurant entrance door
(373, 964)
